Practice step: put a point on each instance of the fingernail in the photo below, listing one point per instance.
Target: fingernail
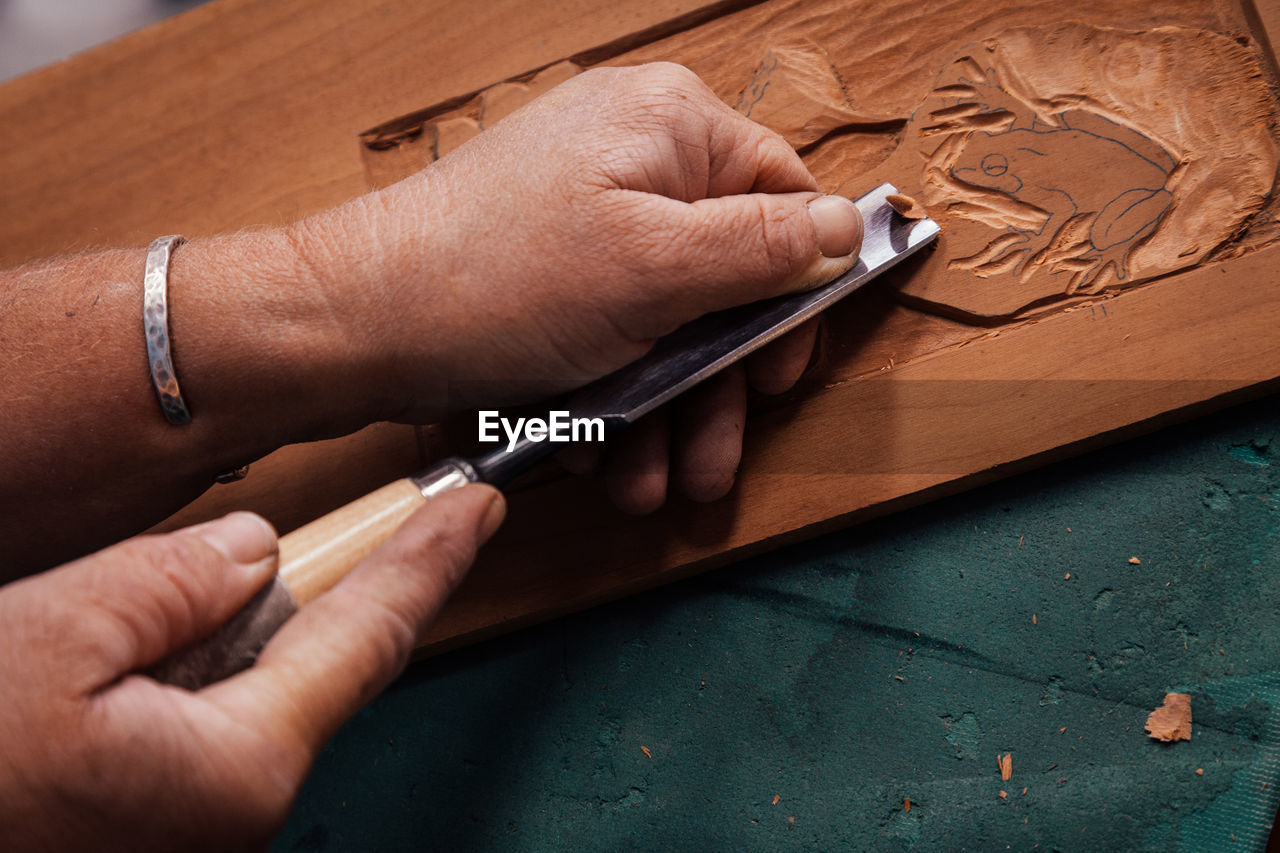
(493, 518)
(838, 223)
(241, 536)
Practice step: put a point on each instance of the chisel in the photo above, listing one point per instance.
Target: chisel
(318, 555)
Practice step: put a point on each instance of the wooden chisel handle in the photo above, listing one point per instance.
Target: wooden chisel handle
(313, 559)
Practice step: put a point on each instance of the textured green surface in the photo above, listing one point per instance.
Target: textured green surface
(888, 661)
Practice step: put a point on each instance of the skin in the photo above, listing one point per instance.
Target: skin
(549, 251)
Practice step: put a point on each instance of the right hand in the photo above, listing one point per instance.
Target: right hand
(95, 755)
(559, 244)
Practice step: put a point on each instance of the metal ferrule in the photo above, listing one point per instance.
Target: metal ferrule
(445, 476)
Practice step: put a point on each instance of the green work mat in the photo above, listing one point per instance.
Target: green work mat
(798, 700)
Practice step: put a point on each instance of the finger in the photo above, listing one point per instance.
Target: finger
(128, 606)
(721, 252)
(339, 651)
(635, 469)
(779, 365)
(748, 157)
(714, 149)
(708, 444)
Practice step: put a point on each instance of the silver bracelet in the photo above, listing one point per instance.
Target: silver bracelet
(155, 324)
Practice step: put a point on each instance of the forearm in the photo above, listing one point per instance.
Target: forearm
(263, 356)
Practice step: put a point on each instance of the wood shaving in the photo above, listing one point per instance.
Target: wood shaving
(1005, 763)
(905, 206)
(1172, 720)
(647, 753)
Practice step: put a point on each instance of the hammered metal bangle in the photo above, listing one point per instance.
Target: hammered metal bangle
(155, 323)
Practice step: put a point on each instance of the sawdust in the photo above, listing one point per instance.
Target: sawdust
(1172, 720)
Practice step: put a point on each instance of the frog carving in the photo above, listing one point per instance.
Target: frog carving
(1070, 160)
(1091, 189)
(1104, 217)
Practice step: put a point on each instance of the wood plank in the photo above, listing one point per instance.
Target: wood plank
(915, 395)
(850, 104)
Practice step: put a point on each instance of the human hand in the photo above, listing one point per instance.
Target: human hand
(94, 755)
(559, 244)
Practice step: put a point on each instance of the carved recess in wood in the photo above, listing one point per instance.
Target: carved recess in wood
(1074, 159)
(797, 91)
(401, 147)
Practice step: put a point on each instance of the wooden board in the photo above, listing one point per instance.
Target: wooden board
(1036, 328)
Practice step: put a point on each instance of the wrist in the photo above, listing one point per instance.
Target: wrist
(381, 261)
(258, 341)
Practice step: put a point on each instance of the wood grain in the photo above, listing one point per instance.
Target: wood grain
(243, 112)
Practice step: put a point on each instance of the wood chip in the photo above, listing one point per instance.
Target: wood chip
(647, 753)
(1005, 763)
(906, 804)
(1004, 795)
(1199, 771)
(1033, 619)
(1172, 720)
(777, 797)
(1134, 561)
(906, 206)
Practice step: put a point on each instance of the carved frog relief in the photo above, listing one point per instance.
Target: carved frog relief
(1121, 202)
(1059, 166)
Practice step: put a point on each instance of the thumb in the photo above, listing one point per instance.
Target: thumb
(129, 605)
(747, 247)
(340, 650)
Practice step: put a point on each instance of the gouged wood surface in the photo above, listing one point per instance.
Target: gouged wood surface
(904, 404)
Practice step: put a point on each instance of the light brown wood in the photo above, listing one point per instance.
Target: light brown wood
(318, 555)
(244, 112)
(939, 379)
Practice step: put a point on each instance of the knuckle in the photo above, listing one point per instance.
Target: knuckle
(177, 563)
(780, 248)
(665, 84)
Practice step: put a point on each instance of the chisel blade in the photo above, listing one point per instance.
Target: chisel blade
(711, 343)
